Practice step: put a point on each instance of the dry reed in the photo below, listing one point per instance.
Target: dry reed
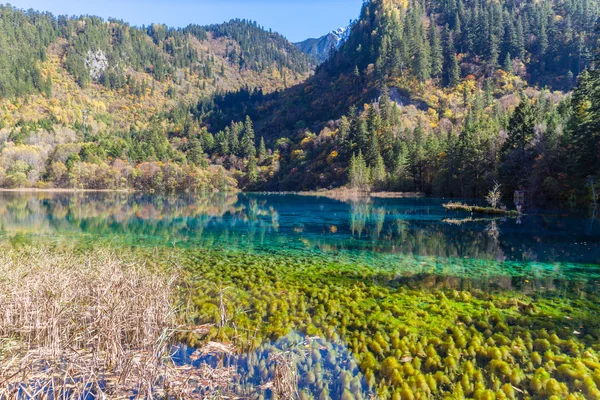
(77, 325)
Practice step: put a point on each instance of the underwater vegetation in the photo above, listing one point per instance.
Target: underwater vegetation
(431, 337)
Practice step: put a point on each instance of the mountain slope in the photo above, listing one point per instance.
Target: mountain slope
(395, 43)
(99, 61)
(443, 97)
(100, 104)
(452, 75)
(320, 49)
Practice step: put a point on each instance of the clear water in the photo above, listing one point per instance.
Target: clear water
(557, 242)
(404, 256)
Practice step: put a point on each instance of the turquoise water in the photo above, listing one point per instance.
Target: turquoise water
(384, 298)
(545, 242)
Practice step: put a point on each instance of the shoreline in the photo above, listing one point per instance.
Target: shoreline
(64, 190)
(342, 193)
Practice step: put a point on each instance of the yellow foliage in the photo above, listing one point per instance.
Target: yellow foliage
(297, 154)
(331, 158)
(306, 141)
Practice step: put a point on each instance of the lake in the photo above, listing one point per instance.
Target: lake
(387, 296)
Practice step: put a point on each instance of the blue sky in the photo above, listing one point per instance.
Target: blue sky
(295, 19)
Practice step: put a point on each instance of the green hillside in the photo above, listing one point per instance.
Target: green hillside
(444, 97)
(429, 93)
(71, 84)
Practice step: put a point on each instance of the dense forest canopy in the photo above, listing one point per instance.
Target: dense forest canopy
(444, 97)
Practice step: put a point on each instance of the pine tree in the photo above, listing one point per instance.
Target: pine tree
(379, 175)
(517, 154)
(195, 153)
(359, 175)
(343, 138)
(422, 60)
(222, 143)
(385, 105)
(493, 51)
(521, 127)
(372, 152)
(520, 40)
(452, 68)
(417, 157)
(437, 53)
(508, 65)
(233, 132)
(453, 71)
(374, 122)
(361, 134)
(252, 171)
(584, 127)
(386, 143)
(401, 164)
(248, 147)
(262, 149)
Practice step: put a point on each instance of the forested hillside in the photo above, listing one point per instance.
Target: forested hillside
(71, 84)
(444, 97)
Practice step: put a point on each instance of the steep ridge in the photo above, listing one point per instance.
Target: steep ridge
(394, 42)
(443, 97)
(321, 48)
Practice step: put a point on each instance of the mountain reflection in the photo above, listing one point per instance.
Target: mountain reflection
(408, 227)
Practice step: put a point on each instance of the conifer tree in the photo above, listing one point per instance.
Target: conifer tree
(452, 68)
(437, 53)
(222, 143)
(379, 175)
(262, 149)
(359, 175)
(385, 106)
(343, 137)
(521, 127)
(508, 65)
(252, 171)
(195, 153)
(374, 122)
(248, 146)
(361, 134)
(233, 132)
(372, 152)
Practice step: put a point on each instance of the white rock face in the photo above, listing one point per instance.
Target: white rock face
(320, 48)
(96, 62)
(341, 34)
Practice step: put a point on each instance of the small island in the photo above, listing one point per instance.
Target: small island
(458, 206)
(493, 198)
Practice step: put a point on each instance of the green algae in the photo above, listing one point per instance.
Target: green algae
(422, 342)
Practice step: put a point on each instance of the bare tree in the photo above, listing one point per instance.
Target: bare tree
(494, 196)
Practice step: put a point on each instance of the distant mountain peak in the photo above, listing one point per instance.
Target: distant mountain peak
(320, 48)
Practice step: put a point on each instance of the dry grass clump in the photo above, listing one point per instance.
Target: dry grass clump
(77, 325)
